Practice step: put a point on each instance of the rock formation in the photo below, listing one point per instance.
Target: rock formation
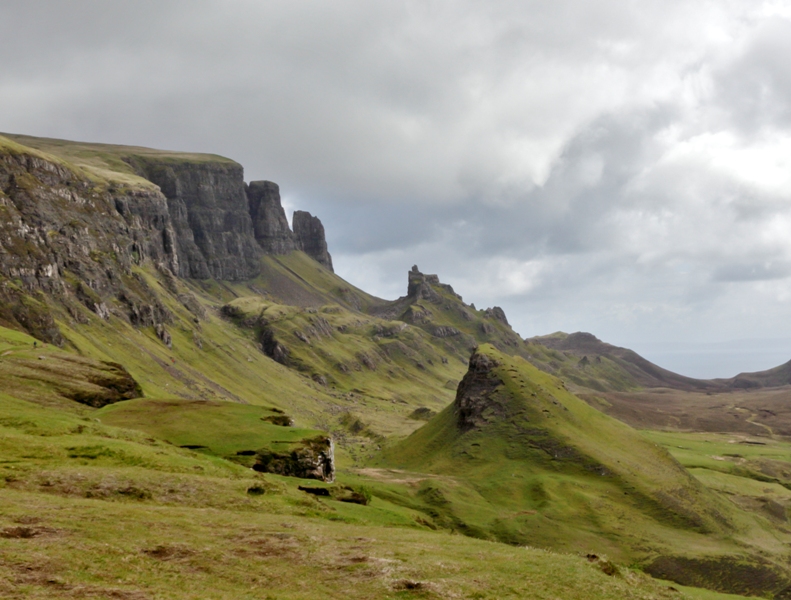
(76, 241)
(474, 404)
(420, 286)
(210, 215)
(269, 219)
(309, 234)
(496, 313)
(311, 459)
(63, 236)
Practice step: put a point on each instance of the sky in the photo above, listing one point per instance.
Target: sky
(617, 167)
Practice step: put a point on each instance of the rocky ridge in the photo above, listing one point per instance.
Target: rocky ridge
(68, 235)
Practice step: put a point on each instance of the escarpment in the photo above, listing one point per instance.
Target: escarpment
(64, 236)
(76, 235)
(210, 215)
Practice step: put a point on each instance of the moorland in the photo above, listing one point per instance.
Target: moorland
(194, 405)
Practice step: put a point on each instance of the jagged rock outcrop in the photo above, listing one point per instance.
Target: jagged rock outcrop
(311, 459)
(310, 238)
(270, 225)
(420, 286)
(496, 313)
(271, 346)
(474, 405)
(209, 212)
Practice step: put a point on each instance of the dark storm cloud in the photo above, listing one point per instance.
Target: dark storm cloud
(615, 166)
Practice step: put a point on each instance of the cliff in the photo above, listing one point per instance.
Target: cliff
(309, 234)
(210, 216)
(64, 236)
(74, 228)
(269, 218)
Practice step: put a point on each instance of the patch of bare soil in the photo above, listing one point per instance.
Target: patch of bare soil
(26, 532)
(168, 552)
(277, 544)
(45, 575)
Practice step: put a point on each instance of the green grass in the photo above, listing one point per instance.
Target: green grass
(551, 471)
(223, 428)
(102, 163)
(196, 526)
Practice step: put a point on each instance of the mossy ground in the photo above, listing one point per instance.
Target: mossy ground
(89, 510)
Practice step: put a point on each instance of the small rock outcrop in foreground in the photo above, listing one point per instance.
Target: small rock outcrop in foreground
(311, 459)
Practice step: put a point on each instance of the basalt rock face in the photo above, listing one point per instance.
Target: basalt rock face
(269, 219)
(74, 239)
(310, 238)
(420, 286)
(209, 211)
(474, 404)
(64, 237)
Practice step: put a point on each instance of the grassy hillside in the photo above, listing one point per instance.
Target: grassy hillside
(103, 163)
(541, 467)
(126, 446)
(196, 526)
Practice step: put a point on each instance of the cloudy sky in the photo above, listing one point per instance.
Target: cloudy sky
(618, 167)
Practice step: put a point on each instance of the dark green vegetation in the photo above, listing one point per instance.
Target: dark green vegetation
(149, 417)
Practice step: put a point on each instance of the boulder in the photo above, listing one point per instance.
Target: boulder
(313, 458)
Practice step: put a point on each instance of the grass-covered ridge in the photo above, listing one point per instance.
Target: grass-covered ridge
(107, 163)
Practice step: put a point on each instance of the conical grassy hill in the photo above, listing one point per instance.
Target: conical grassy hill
(518, 458)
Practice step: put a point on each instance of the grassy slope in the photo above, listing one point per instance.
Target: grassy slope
(753, 472)
(505, 485)
(85, 469)
(193, 529)
(222, 428)
(102, 162)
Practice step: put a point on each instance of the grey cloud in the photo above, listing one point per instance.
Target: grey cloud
(557, 158)
(753, 271)
(756, 87)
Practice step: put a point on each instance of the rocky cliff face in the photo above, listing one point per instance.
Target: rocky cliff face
(74, 238)
(269, 219)
(209, 211)
(64, 236)
(309, 234)
(474, 404)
